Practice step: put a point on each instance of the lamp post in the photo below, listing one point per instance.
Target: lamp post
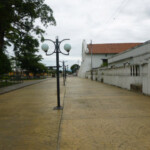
(57, 50)
(91, 61)
(64, 72)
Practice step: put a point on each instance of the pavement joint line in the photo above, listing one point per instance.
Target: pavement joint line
(59, 130)
(19, 86)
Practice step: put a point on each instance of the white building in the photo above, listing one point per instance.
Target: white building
(96, 55)
(129, 69)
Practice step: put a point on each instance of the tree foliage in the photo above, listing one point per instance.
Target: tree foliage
(26, 55)
(5, 65)
(17, 25)
(74, 68)
(19, 16)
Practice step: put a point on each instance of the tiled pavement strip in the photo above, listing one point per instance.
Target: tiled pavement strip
(95, 117)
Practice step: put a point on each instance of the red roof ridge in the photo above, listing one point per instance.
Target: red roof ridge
(111, 48)
(117, 43)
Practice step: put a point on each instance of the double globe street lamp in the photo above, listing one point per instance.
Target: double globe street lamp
(57, 50)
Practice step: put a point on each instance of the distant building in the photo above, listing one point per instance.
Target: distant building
(129, 69)
(99, 54)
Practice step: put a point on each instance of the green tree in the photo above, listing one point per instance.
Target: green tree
(26, 54)
(5, 65)
(41, 68)
(17, 24)
(18, 16)
(74, 68)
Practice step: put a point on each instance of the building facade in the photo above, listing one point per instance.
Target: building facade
(129, 69)
(97, 55)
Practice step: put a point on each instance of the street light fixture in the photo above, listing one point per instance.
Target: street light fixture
(64, 71)
(91, 60)
(57, 50)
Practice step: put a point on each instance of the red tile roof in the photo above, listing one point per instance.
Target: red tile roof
(111, 48)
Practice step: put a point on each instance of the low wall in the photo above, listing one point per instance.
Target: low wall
(119, 77)
(94, 74)
(123, 78)
(146, 79)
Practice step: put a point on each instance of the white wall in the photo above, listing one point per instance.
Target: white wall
(145, 78)
(96, 62)
(148, 78)
(86, 60)
(119, 73)
(138, 53)
(119, 77)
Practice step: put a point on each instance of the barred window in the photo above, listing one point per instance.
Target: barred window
(135, 70)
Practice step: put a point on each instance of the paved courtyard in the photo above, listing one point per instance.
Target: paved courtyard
(102, 117)
(27, 118)
(95, 117)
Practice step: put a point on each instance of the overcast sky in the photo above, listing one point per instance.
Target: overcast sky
(102, 21)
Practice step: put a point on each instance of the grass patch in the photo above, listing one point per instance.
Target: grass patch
(5, 84)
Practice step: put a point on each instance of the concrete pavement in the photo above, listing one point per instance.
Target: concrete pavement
(95, 117)
(27, 118)
(102, 117)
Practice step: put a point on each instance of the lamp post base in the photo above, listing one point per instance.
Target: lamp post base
(58, 108)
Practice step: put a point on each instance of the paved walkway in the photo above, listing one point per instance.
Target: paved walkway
(101, 117)
(27, 118)
(95, 117)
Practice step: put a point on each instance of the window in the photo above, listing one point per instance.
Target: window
(137, 67)
(131, 70)
(104, 62)
(135, 70)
